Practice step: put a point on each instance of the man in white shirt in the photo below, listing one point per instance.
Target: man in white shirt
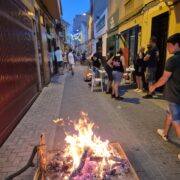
(59, 58)
(71, 61)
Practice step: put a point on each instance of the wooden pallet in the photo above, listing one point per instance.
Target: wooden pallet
(40, 173)
(120, 150)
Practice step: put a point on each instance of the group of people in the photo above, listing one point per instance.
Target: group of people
(64, 60)
(145, 71)
(146, 67)
(171, 80)
(114, 66)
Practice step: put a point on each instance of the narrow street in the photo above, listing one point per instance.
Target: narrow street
(131, 122)
(131, 46)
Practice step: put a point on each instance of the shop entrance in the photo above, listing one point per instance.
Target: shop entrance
(160, 30)
(99, 45)
(112, 43)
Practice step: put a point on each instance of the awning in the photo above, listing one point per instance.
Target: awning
(54, 8)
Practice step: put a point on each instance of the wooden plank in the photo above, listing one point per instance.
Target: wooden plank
(119, 149)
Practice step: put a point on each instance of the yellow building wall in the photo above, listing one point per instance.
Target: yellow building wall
(174, 21)
(132, 5)
(113, 5)
(145, 19)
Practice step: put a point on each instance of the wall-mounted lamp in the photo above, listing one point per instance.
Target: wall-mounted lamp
(171, 2)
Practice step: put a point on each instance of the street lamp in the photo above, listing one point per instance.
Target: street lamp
(86, 14)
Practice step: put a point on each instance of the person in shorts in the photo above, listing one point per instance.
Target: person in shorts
(171, 80)
(108, 69)
(71, 61)
(118, 70)
(152, 59)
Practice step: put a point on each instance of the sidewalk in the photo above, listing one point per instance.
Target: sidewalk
(17, 149)
(157, 100)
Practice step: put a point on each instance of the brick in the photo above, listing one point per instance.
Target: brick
(9, 169)
(3, 159)
(3, 176)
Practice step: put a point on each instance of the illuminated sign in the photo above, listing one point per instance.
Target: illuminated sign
(76, 36)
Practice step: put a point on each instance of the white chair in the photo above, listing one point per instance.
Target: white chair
(96, 80)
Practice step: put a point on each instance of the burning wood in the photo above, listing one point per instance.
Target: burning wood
(86, 157)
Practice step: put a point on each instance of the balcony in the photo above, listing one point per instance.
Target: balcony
(54, 7)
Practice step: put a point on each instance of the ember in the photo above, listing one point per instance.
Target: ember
(87, 157)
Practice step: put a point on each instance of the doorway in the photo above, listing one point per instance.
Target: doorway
(99, 45)
(160, 30)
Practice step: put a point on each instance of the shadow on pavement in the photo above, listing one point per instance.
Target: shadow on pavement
(174, 142)
(131, 100)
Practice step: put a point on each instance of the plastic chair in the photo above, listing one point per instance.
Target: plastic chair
(96, 80)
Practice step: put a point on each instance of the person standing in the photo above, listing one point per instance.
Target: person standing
(118, 70)
(109, 68)
(59, 58)
(171, 80)
(71, 61)
(65, 60)
(152, 59)
(139, 70)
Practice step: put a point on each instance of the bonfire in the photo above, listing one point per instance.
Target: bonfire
(86, 157)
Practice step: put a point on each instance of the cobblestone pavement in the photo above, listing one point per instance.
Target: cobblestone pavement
(131, 122)
(16, 151)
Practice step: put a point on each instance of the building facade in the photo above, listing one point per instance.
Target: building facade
(97, 33)
(100, 33)
(135, 21)
(80, 32)
(113, 21)
(24, 56)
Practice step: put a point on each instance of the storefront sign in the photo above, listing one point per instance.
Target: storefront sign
(113, 20)
(100, 24)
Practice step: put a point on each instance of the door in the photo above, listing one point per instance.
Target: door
(99, 45)
(160, 30)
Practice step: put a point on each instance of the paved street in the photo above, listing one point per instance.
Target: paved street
(16, 151)
(131, 122)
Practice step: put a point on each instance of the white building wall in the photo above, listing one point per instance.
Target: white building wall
(102, 33)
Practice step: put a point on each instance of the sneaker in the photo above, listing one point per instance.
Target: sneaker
(112, 96)
(136, 90)
(161, 133)
(148, 96)
(119, 98)
(140, 91)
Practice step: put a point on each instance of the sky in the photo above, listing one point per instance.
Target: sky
(72, 8)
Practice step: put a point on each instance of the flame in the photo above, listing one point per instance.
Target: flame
(76, 144)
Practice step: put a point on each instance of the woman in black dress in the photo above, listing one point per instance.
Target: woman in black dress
(139, 70)
(109, 68)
